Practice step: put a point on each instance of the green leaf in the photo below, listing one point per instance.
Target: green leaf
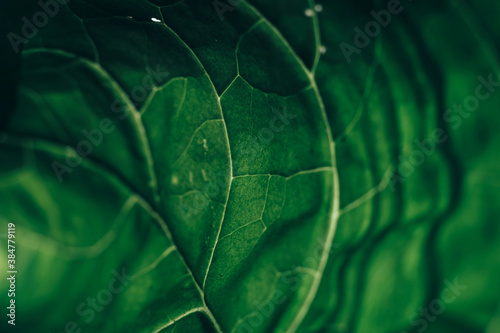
(189, 166)
(195, 186)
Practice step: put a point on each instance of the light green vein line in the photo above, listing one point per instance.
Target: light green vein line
(155, 263)
(176, 319)
(370, 79)
(46, 244)
(240, 227)
(370, 193)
